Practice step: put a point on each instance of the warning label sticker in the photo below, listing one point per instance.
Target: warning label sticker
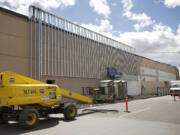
(44, 99)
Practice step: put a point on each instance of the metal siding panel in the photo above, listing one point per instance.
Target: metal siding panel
(62, 64)
(93, 55)
(70, 52)
(52, 71)
(31, 47)
(64, 73)
(58, 59)
(35, 51)
(48, 63)
(55, 50)
(44, 44)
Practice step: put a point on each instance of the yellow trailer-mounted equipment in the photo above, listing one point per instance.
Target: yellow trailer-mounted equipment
(26, 100)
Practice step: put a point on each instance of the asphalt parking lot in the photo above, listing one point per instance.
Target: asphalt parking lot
(153, 116)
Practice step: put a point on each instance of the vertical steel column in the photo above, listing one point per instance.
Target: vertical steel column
(98, 57)
(79, 42)
(86, 48)
(78, 54)
(45, 43)
(75, 62)
(55, 50)
(52, 52)
(90, 50)
(102, 55)
(86, 53)
(38, 53)
(83, 67)
(94, 56)
(108, 52)
(62, 64)
(96, 62)
(83, 52)
(58, 58)
(91, 54)
(102, 62)
(79, 45)
(70, 64)
(35, 51)
(87, 61)
(105, 56)
(73, 52)
(67, 50)
(39, 46)
(48, 51)
(81, 39)
(31, 10)
(82, 70)
(64, 73)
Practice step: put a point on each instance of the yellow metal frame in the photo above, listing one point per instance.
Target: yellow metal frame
(19, 90)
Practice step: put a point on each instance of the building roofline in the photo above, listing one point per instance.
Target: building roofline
(26, 17)
(156, 61)
(13, 13)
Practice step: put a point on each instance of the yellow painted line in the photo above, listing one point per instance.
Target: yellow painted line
(142, 110)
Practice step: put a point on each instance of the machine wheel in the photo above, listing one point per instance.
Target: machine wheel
(3, 110)
(28, 118)
(70, 112)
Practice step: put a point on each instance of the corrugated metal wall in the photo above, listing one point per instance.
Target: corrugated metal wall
(61, 48)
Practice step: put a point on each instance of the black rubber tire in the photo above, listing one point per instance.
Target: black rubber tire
(3, 110)
(23, 118)
(68, 113)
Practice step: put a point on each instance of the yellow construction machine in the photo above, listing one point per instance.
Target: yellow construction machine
(26, 100)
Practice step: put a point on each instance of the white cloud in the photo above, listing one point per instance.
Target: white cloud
(101, 7)
(153, 44)
(161, 40)
(21, 6)
(171, 3)
(104, 27)
(142, 19)
(178, 30)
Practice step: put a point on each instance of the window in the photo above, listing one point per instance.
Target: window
(50, 81)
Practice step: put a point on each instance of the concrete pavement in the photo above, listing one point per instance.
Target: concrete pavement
(153, 116)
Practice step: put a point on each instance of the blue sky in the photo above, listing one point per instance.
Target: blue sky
(83, 13)
(148, 25)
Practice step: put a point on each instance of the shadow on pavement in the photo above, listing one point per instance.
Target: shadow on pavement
(91, 111)
(15, 129)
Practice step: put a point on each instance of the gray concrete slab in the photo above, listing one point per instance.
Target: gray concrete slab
(157, 116)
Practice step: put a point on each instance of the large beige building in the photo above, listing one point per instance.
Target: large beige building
(54, 50)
